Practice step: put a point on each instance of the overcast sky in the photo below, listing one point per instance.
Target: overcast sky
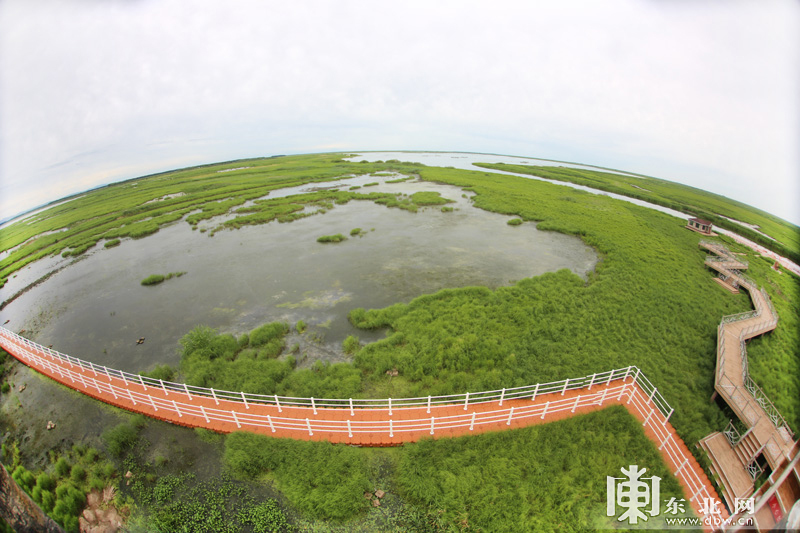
(700, 92)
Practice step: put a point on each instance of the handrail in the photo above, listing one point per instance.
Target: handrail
(627, 386)
(469, 398)
(758, 395)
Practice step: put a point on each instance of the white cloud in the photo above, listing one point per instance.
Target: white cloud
(700, 92)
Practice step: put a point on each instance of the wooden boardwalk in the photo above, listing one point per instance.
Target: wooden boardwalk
(733, 455)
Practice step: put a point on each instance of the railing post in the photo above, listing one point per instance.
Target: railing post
(591, 381)
(671, 410)
(203, 410)
(186, 388)
(431, 425)
(130, 395)
(646, 420)
(610, 375)
(627, 371)
(141, 380)
(351, 408)
(633, 391)
(271, 425)
(163, 387)
(391, 429)
(565, 387)
(111, 388)
(535, 390)
(278, 404)
(214, 395)
(603, 397)
(175, 404)
(502, 394)
(313, 405)
(510, 415)
(544, 411)
(429, 407)
(153, 403)
(236, 419)
(91, 365)
(349, 429)
(466, 401)
(652, 394)
(308, 425)
(390, 407)
(122, 375)
(666, 439)
(472, 423)
(575, 405)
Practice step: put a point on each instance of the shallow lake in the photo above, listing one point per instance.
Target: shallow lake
(96, 309)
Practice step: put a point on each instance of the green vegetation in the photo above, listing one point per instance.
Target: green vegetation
(371, 184)
(400, 180)
(321, 479)
(60, 488)
(651, 302)
(301, 326)
(355, 187)
(682, 198)
(112, 243)
(351, 344)
(355, 232)
(179, 503)
(514, 222)
(429, 198)
(121, 439)
(155, 279)
(139, 207)
(332, 238)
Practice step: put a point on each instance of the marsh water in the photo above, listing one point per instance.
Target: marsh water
(96, 309)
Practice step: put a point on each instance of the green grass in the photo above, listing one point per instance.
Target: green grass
(514, 222)
(682, 198)
(338, 237)
(355, 232)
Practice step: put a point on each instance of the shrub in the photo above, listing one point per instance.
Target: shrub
(351, 344)
(5, 388)
(62, 467)
(77, 474)
(268, 332)
(165, 372)
(45, 482)
(301, 326)
(120, 438)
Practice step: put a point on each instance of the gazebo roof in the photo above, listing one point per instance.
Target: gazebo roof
(701, 221)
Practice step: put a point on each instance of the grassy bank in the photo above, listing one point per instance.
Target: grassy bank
(785, 236)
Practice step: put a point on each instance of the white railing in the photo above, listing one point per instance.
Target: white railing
(469, 398)
(626, 385)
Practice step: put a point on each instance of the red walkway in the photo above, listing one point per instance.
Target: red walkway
(384, 422)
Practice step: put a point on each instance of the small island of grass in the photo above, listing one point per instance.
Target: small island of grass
(514, 222)
(155, 279)
(332, 238)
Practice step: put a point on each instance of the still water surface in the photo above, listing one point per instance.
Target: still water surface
(239, 279)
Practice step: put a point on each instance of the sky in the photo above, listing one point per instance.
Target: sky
(701, 92)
